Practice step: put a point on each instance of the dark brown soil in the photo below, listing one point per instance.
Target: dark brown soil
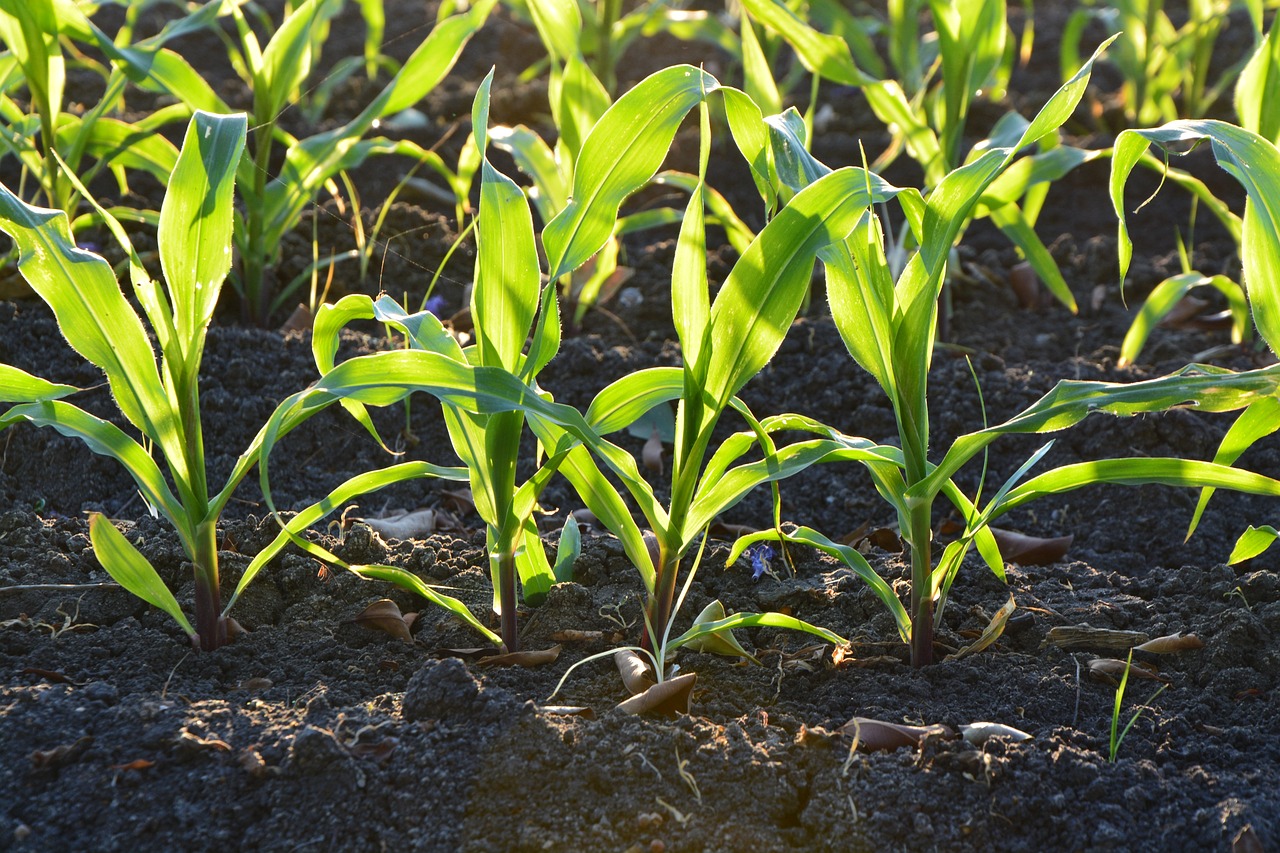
(313, 732)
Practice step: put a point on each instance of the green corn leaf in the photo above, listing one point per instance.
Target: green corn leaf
(194, 234)
(430, 61)
(1136, 472)
(131, 570)
(1252, 542)
(1167, 294)
(287, 59)
(568, 551)
(504, 298)
(130, 146)
(1259, 420)
(106, 439)
(93, 315)
(754, 620)
(1255, 163)
(690, 292)
(720, 642)
(758, 76)
(535, 571)
(415, 584)
(849, 556)
(628, 399)
(623, 151)
(546, 336)
(1258, 88)
(1069, 402)
(824, 55)
(766, 287)
(361, 484)
(550, 192)
(18, 386)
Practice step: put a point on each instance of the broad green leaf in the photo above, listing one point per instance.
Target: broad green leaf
(195, 226)
(1251, 160)
(1259, 420)
(1137, 472)
(758, 76)
(18, 386)
(1167, 294)
(361, 484)
(533, 157)
(504, 298)
(1196, 386)
(720, 642)
(849, 556)
(1258, 89)
(567, 552)
(690, 292)
(413, 583)
(1252, 542)
(623, 151)
(93, 315)
(287, 59)
(131, 570)
(824, 55)
(754, 620)
(766, 287)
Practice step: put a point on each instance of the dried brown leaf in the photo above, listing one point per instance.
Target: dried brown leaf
(991, 633)
(651, 455)
(1068, 637)
(1246, 841)
(667, 699)
(877, 735)
(301, 320)
(634, 671)
(385, 615)
(1171, 644)
(979, 733)
(1030, 550)
(569, 711)
(254, 684)
(539, 657)
(1026, 285)
(418, 524)
(1111, 670)
(136, 764)
(44, 759)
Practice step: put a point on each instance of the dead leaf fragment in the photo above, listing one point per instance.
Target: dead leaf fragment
(384, 615)
(418, 524)
(569, 711)
(1171, 644)
(1246, 841)
(877, 735)
(1068, 637)
(979, 733)
(1111, 670)
(136, 764)
(652, 453)
(1026, 285)
(539, 657)
(255, 684)
(1030, 550)
(45, 759)
(634, 671)
(301, 320)
(666, 699)
(991, 633)
(188, 741)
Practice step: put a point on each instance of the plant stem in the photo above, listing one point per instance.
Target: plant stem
(663, 598)
(210, 625)
(506, 560)
(921, 586)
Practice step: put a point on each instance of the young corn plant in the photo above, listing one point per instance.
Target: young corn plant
(1256, 91)
(888, 327)
(1166, 67)
(726, 343)
(272, 205)
(161, 402)
(47, 140)
(1254, 161)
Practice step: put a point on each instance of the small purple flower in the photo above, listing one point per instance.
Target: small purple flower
(437, 305)
(760, 554)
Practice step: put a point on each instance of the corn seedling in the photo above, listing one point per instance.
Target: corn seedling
(1165, 67)
(272, 205)
(1117, 734)
(47, 139)
(1254, 162)
(888, 327)
(161, 403)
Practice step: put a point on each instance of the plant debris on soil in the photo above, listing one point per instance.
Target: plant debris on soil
(316, 730)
